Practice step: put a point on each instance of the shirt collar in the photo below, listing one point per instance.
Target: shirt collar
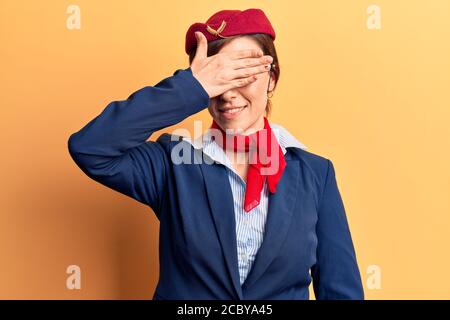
(214, 151)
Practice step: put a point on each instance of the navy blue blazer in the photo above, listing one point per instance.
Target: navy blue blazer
(307, 237)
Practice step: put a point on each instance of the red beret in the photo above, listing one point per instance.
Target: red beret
(227, 23)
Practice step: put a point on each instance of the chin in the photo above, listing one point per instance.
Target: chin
(235, 124)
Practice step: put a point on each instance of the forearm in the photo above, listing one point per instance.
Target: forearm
(126, 124)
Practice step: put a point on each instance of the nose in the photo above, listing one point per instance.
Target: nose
(229, 95)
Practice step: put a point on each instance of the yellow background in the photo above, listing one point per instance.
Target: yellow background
(375, 102)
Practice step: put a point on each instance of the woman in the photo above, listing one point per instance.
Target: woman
(245, 212)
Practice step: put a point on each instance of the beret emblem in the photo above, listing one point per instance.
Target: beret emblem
(218, 31)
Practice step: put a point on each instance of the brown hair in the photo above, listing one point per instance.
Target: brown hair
(266, 44)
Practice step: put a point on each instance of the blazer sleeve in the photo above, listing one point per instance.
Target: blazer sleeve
(335, 274)
(113, 150)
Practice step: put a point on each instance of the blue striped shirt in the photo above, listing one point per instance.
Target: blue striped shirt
(250, 226)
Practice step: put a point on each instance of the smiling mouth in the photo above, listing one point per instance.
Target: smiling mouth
(231, 110)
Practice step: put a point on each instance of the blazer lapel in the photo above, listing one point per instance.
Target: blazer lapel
(279, 219)
(221, 202)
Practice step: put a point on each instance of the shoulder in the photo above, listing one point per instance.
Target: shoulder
(160, 149)
(177, 150)
(311, 164)
(168, 141)
(312, 160)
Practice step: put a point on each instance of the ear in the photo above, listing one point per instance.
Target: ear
(272, 81)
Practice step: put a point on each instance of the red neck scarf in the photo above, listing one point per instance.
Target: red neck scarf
(260, 145)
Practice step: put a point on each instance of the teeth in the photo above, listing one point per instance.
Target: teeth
(234, 110)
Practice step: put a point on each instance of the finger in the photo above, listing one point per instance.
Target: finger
(202, 47)
(251, 62)
(248, 72)
(248, 53)
(242, 82)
